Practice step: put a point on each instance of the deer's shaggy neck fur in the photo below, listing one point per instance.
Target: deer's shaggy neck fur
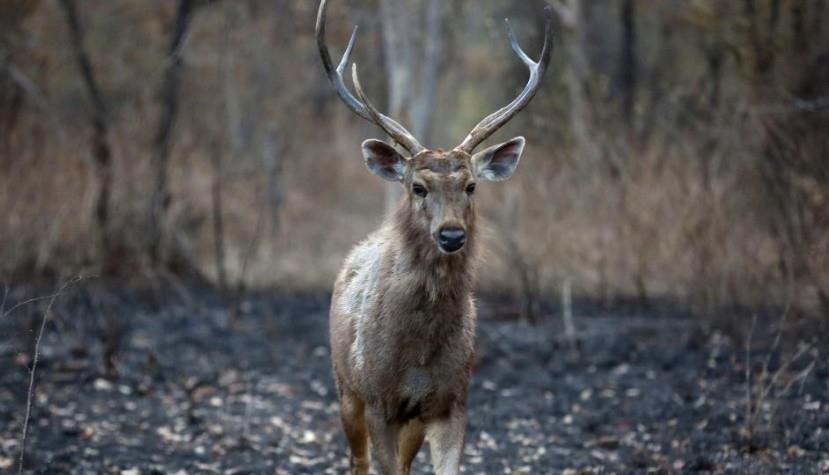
(444, 278)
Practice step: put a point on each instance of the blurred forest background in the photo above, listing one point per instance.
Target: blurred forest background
(677, 149)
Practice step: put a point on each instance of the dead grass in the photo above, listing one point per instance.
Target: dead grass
(660, 230)
(678, 218)
(672, 213)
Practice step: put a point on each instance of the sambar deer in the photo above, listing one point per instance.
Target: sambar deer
(402, 318)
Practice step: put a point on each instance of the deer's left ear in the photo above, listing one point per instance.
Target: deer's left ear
(383, 160)
(497, 163)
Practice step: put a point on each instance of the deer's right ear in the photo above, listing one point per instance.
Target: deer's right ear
(497, 163)
(383, 160)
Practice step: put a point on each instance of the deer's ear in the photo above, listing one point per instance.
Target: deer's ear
(497, 163)
(383, 160)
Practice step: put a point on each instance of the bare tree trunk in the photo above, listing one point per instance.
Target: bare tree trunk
(102, 152)
(567, 313)
(232, 100)
(762, 42)
(774, 20)
(586, 146)
(14, 86)
(576, 76)
(399, 50)
(715, 58)
(399, 57)
(407, 102)
(424, 104)
(627, 61)
(272, 162)
(160, 197)
(218, 221)
(817, 18)
(798, 22)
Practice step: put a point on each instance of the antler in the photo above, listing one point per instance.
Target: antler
(495, 121)
(362, 106)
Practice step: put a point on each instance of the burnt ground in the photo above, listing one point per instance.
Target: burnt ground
(644, 392)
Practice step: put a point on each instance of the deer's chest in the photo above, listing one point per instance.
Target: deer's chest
(423, 363)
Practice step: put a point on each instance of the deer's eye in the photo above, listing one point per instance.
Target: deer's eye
(419, 190)
(470, 189)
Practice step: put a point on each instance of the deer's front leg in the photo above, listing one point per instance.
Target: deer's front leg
(354, 423)
(445, 438)
(411, 438)
(383, 435)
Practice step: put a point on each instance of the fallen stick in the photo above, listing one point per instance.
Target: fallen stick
(34, 368)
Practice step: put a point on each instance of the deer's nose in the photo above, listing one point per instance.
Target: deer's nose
(451, 238)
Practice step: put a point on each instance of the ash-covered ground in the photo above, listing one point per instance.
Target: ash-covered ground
(130, 384)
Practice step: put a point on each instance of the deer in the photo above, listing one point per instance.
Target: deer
(402, 317)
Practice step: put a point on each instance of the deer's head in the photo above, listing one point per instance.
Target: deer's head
(440, 185)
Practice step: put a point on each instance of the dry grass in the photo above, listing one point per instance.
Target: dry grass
(676, 214)
(659, 230)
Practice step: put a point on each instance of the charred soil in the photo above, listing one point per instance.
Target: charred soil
(177, 386)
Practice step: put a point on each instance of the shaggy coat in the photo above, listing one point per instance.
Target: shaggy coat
(403, 321)
(402, 316)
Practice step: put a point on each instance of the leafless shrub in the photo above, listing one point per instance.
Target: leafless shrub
(642, 209)
(101, 321)
(767, 387)
(795, 177)
(33, 369)
(519, 261)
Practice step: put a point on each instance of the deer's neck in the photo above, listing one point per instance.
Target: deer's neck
(440, 277)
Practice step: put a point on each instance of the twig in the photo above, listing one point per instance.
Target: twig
(567, 312)
(764, 387)
(176, 285)
(240, 286)
(3, 305)
(246, 417)
(749, 412)
(27, 85)
(218, 223)
(26, 302)
(35, 357)
(768, 384)
(785, 366)
(776, 344)
(249, 251)
(800, 377)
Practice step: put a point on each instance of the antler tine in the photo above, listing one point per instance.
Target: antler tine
(496, 120)
(335, 75)
(362, 106)
(395, 130)
(389, 125)
(513, 42)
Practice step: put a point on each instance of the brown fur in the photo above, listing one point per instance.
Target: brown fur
(412, 306)
(402, 316)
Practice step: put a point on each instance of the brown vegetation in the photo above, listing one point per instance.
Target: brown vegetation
(675, 151)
